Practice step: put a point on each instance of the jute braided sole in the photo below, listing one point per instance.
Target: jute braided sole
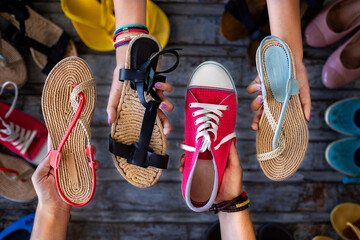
(15, 69)
(127, 126)
(16, 190)
(74, 172)
(44, 31)
(294, 130)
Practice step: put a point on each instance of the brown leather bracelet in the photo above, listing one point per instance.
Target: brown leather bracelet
(239, 203)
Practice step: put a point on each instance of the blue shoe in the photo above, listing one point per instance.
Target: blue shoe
(20, 229)
(344, 156)
(344, 116)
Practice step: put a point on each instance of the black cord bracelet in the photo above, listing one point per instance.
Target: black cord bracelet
(239, 203)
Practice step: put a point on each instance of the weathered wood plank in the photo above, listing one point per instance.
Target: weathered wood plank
(195, 231)
(181, 217)
(166, 197)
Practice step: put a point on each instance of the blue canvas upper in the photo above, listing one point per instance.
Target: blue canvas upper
(340, 155)
(340, 116)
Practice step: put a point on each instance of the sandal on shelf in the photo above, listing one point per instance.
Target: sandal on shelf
(15, 179)
(12, 66)
(94, 21)
(345, 219)
(282, 138)
(48, 43)
(68, 103)
(137, 140)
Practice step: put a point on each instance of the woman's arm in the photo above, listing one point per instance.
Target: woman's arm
(234, 225)
(284, 16)
(52, 213)
(126, 13)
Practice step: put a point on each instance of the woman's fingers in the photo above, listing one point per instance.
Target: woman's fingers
(114, 97)
(165, 122)
(304, 90)
(165, 104)
(182, 161)
(256, 103)
(97, 164)
(256, 120)
(234, 160)
(42, 170)
(166, 87)
(254, 86)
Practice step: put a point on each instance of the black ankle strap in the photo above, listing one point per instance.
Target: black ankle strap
(54, 53)
(131, 153)
(143, 80)
(18, 9)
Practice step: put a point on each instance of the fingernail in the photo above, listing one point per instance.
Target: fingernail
(109, 121)
(260, 99)
(158, 85)
(258, 88)
(163, 106)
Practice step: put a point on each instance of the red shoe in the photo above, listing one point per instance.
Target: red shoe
(210, 115)
(21, 133)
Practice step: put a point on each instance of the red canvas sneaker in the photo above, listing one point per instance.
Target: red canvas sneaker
(210, 115)
(22, 133)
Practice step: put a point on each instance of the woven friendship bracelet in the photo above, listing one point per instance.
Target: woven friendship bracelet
(122, 30)
(123, 41)
(130, 26)
(239, 203)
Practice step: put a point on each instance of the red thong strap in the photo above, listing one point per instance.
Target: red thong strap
(55, 155)
(8, 170)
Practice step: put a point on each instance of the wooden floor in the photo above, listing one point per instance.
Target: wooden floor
(120, 211)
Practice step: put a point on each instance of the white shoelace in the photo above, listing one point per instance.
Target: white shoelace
(19, 137)
(206, 124)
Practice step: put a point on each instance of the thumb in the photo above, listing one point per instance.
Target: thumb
(42, 170)
(233, 160)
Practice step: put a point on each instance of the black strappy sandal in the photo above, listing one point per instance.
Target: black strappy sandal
(137, 141)
(48, 43)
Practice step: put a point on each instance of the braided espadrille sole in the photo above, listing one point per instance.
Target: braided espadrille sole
(294, 129)
(14, 70)
(74, 173)
(127, 126)
(44, 31)
(16, 190)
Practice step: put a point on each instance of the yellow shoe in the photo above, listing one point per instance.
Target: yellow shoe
(157, 23)
(95, 22)
(322, 238)
(345, 219)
